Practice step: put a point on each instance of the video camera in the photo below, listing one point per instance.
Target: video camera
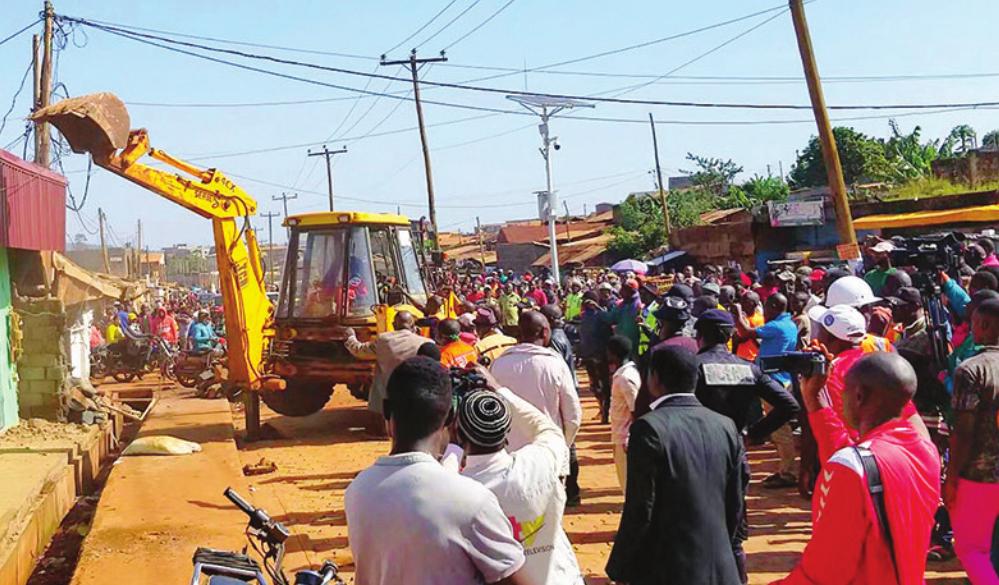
(929, 255)
(464, 382)
(796, 363)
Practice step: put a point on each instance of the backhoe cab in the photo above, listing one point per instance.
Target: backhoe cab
(343, 269)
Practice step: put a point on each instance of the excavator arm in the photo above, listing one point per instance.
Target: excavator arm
(98, 124)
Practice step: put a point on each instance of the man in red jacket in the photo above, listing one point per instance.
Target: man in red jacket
(848, 544)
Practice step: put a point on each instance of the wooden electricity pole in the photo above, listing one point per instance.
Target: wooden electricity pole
(482, 246)
(138, 251)
(328, 154)
(104, 247)
(270, 242)
(830, 154)
(414, 67)
(44, 90)
(659, 176)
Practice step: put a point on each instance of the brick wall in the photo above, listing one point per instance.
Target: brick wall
(979, 166)
(42, 367)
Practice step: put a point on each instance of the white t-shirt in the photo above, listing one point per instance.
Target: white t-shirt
(411, 522)
(529, 490)
(624, 390)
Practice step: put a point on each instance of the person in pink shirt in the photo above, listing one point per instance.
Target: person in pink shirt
(990, 252)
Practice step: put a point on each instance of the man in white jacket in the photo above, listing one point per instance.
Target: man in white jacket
(539, 375)
(526, 481)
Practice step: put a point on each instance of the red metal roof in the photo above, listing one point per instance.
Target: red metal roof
(522, 234)
(32, 205)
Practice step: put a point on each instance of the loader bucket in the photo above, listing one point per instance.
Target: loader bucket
(97, 123)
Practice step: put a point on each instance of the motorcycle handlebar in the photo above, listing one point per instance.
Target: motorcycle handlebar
(240, 503)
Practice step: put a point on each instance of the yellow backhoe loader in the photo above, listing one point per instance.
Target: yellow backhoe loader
(342, 268)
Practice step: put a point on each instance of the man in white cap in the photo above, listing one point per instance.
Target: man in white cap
(843, 329)
(881, 254)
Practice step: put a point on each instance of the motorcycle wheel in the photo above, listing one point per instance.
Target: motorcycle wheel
(123, 377)
(298, 398)
(187, 381)
(360, 391)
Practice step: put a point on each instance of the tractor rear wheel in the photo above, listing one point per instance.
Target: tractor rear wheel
(298, 398)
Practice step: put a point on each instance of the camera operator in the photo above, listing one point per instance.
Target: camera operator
(849, 543)
(730, 385)
(394, 506)
(526, 481)
(881, 254)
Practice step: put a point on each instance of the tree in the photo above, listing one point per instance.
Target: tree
(962, 139)
(713, 174)
(991, 140)
(862, 157)
(756, 191)
(910, 159)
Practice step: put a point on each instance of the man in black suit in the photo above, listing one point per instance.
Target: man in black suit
(684, 496)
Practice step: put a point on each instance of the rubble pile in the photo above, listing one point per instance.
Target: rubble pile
(87, 405)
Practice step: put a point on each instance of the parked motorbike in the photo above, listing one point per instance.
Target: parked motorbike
(98, 364)
(267, 538)
(131, 359)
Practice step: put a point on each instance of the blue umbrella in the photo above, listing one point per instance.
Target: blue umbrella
(636, 266)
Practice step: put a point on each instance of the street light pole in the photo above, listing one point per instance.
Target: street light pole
(546, 108)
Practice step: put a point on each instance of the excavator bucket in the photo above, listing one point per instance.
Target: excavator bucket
(97, 123)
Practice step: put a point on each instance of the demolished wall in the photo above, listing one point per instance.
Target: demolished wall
(42, 366)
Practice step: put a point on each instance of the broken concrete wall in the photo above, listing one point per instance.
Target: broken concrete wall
(42, 367)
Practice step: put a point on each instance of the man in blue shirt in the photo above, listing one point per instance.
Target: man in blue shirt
(777, 335)
(202, 333)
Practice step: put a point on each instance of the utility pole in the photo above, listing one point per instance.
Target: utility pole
(138, 252)
(830, 154)
(44, 90)
(659, 177)
(284, 201)
(780, 167)
(482, 246)
(568, 233)
(328, 155)
(414, 67)
(270, 242)
(546, 107)
(104, 247)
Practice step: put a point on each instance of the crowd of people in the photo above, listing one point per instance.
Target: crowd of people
(879, 397)
(181, 320)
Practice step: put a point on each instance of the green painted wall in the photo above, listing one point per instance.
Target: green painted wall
(8, 373)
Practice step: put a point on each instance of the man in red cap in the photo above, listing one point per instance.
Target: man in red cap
(626, 314)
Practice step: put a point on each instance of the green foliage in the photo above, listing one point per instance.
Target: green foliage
(756, 191)
(991, 140)
(713, 174)
(190, 264)
(910, 159)
(641, 227)
(961, 140)
(863, 159)
(926, 187)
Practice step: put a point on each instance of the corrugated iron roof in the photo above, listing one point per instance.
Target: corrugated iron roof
(522, 234)
(32, 205)
(578, 252)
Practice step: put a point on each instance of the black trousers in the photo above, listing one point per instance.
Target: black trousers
(572, 480)
(600, 384)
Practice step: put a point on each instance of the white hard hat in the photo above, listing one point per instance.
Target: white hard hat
(850, 290)
(844, 322)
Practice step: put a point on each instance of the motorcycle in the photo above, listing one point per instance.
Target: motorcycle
(267, 537)
(98, 364)
(203, 370)
(131, 359)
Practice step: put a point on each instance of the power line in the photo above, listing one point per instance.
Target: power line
(13, 101)
(449, 23)
(245, 43)
(711, 51)
(480, 25)
(494, 90)
(19, 32)
(425, 25)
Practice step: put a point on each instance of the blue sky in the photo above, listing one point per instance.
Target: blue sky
(489, 167)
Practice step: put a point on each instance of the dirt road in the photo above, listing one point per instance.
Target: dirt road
(321, 453)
